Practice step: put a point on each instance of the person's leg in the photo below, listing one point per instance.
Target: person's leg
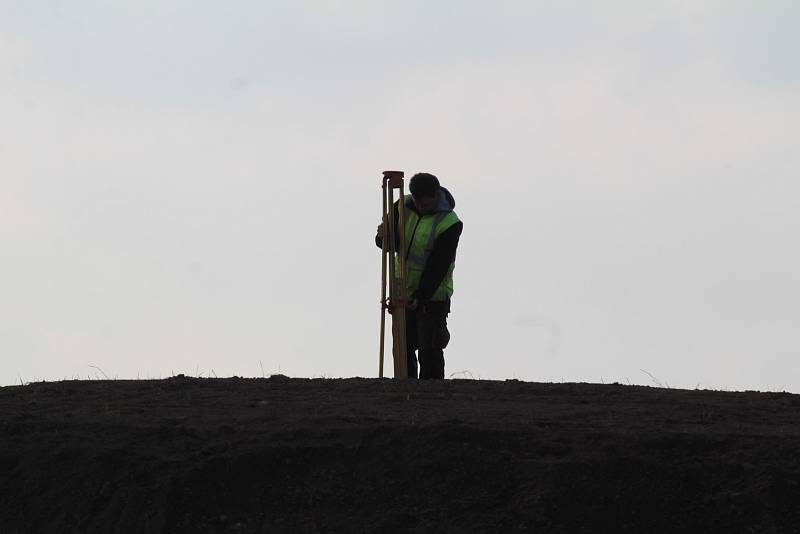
(411, 343)
(433, 337)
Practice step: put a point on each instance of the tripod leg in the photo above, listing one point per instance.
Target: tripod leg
(396, 261)
(384, 254)
(402, 348)
(395, 296)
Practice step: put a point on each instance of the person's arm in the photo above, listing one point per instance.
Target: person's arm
(442, 256)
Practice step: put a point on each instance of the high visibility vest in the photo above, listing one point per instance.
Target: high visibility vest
(421, 233)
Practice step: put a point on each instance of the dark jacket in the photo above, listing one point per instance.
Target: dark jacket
(443, 253)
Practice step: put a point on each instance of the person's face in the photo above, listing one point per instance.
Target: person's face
(424, 205)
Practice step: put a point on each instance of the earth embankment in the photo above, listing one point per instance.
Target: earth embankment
(187, 455)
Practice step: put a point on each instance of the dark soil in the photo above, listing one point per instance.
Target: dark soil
(293, 455)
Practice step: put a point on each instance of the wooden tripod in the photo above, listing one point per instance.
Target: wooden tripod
(394, 248)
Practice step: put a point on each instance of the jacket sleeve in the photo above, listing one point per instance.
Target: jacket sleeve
(379, 239)
(442, 256)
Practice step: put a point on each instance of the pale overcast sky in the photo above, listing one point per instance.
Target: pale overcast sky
(193, 186)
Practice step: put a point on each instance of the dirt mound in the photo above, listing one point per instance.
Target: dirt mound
(365, 455)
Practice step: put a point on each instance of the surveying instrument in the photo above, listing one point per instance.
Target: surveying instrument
(394, 260)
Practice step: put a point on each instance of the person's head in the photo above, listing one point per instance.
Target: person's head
(424, 189)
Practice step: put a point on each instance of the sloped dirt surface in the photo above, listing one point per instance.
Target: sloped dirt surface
(364, 455)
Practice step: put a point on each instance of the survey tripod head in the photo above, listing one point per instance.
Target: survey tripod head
(394, 264)
(394, 178)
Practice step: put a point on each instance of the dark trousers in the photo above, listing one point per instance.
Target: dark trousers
(426, 333)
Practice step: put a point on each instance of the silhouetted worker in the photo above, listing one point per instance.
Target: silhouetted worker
(432, 233)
